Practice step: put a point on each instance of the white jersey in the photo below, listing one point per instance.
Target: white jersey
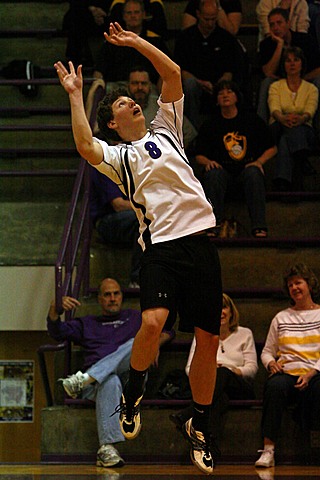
(156, 176)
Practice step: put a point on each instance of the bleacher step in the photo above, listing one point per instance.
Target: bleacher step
(240, 442)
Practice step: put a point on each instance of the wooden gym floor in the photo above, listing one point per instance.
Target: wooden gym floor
(153, 472)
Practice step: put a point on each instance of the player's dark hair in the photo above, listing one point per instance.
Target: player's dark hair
(105, 113)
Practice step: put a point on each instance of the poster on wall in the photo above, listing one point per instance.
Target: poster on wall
(16, 391)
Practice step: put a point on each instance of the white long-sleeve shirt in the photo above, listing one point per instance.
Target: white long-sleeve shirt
(294, 339)
(236, 351)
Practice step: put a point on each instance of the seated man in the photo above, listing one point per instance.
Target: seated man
(233, 146)
(155, 14)
(229, 15)
(206, 54)
(298, 13)
(107, 341)
(90, 18)
(114, 219)
(114, 64)
(140, 89)
(271, 55)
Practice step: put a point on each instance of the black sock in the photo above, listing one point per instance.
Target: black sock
(201, 417)
(135, 386)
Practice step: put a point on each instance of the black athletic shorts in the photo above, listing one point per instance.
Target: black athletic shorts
(184, 276)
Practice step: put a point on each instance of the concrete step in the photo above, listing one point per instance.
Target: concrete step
(69, 434)
(239, 441)
(31, 232)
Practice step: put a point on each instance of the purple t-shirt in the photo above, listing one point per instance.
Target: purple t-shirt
(98, 335)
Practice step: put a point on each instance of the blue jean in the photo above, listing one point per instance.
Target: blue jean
(110, 374)
(123, 228)
(290, 141)
(217, 181)
(279, 392)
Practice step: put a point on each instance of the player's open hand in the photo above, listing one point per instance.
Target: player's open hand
(118, 36)
(71, 81)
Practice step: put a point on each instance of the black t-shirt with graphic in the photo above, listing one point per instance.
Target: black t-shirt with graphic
(234, 142)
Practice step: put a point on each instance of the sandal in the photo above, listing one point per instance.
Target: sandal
(260, 233)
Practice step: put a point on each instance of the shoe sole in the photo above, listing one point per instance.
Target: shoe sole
(136, 431)
(68, 392)
(263, 465)
(129, 435)
(100, 463)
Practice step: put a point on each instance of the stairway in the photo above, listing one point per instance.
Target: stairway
(33, 209)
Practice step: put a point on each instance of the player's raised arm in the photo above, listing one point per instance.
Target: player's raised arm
(168, 70)
(72, 83)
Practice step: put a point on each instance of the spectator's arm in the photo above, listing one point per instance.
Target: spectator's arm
(187, 20)
(230, 22)
(68, 304)
(271, 67)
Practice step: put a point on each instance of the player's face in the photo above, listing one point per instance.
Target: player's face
(278, 25)
(126, 112)
(110, 297)
(139, 86)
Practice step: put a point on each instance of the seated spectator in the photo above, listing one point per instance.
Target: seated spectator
(114, 219)
(139, 89)
(114, 64)
(229, 15)
(291, 357)
(107, 342)
(292, 104)
(106, 361)
(229, 18)
(298, 11)
(206, 54)
(155, 15)
(232, 146)
(237, 367)
(271, 55)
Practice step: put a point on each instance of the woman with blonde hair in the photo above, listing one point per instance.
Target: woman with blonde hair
(291, 356)
(237, 367)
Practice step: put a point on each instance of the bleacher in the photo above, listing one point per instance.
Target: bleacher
(39, 162)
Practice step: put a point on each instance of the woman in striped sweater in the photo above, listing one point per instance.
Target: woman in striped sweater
(292, 357)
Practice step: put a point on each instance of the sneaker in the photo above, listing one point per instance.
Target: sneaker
(73, 385)
(129, 419)
(266, 458)
(201, 446)
(108, 456)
